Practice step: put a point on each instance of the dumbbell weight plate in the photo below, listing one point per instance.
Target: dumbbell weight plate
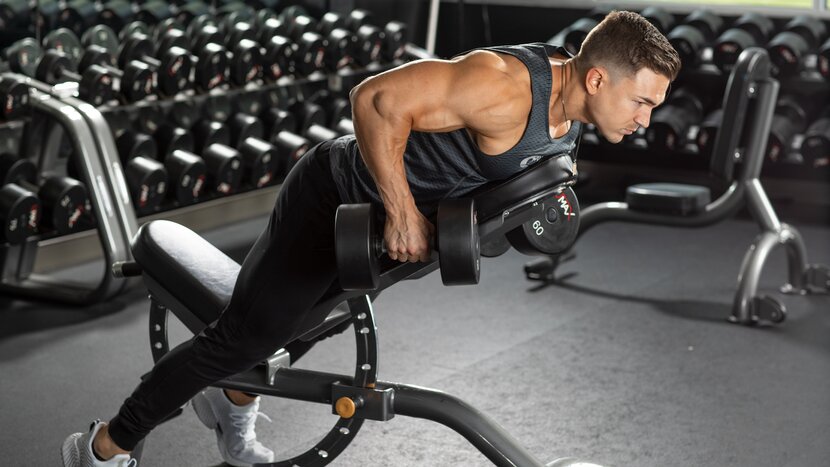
(64, 203)
(135, 27)
(65, 41)
(14, 169)
(458, 243)
(259, 159)
(224, 166)
(19, 213)
(147, 179)
(24, 56)
(357, 247)
(15, 96)
(553, 230)
(189, 173)
(102, 36)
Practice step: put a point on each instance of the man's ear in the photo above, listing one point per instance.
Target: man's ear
(596, 77)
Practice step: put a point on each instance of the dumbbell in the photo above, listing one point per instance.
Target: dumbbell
(63, 201)
(660, 18)
(242, 60)
(788, 48)
(25, 56)
(173, 146)
(224, 164)
(312, 122)
(208, 60)
(14, 94)
(790, 118)
(135, 80)
(282, 126)
(370, 38)
(171, 68)
(147, 178)
(20, 208)
(577, 32)
(46, 13)
(14, 14)
(670, 123)
(78, 15)
(359, 244)
(751, 29)
(815, 148)
(116, 14)
(700, 27)
(705, 140)
(94, 85)
(310, 52)
(338, 111)
(259, 157)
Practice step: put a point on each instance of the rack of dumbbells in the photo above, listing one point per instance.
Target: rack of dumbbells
(115, 113)
(684, 128)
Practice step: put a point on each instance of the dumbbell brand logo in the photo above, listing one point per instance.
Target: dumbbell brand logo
(565, 204)
(824, 65)
(176, 66)
(787, 54)
(318, 58)
(299, 152)
(276, 71)
(252, 74)
(33, 216)
(216, 81)
(375, 51)
(527, 161)
(197, 187)
(75, 217)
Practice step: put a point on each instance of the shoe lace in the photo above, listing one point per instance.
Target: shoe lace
(245, 422)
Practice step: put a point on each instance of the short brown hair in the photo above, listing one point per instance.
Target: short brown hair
(627, 42)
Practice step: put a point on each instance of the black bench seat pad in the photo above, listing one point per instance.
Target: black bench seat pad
(197, 273)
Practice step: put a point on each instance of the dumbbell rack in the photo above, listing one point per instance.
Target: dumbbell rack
(53, 110)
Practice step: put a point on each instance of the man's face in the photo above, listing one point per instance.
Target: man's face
(622, 104)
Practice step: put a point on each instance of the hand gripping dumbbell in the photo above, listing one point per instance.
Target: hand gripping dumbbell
(801, 35)
(147, 178)
(750, 30)
(134, 81)
(698, 29)
(359, 244)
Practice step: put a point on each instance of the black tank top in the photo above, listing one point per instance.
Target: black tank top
(444, 165)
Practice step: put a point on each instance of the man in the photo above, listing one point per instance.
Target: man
(425, 131)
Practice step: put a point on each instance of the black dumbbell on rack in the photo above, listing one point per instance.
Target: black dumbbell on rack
(63, 201)
(261, 163)
(171, 65)
(749, 30)
(135, 79)
(224, 163)
(78, 15)
(147, 178)
(26, 57)
(282, 126)
(670, 123)
(310, 48)
(697, 30)
(359, 244)
(708, 130)
(791, 117)
(815, 147)
(20, 208)
(660, 18)
(800, 36)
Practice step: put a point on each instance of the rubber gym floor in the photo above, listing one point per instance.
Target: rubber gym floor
(632, 363)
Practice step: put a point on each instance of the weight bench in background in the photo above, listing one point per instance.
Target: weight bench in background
(192, 279)
(749, 103)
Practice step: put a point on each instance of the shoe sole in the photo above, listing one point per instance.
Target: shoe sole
(205, 414)
(70, 454)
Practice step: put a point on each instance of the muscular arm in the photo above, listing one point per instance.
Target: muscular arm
(477, 92)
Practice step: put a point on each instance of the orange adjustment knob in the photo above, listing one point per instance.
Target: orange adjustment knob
(346, 407)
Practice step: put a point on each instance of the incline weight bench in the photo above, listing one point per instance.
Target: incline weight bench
(749, 104)
(192, 279)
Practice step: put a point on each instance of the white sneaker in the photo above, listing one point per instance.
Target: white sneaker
(77, 451)
(234, 427)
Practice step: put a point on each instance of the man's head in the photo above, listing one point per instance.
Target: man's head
(627, 66)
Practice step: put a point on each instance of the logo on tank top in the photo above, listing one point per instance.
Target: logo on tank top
(528, 161)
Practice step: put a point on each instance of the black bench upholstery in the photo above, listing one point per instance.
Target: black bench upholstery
(668, 198)
(202, 278)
